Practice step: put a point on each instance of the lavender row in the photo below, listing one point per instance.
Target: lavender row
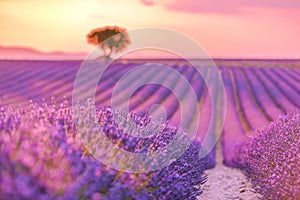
(253, 95)
(42, 157)
(271, 158)
(253, 88)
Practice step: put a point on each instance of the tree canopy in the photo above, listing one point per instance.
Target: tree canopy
(110, 39)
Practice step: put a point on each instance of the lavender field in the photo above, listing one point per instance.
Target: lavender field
(59, 167)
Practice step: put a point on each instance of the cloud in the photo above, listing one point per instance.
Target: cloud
(220, 6)
(148, 2)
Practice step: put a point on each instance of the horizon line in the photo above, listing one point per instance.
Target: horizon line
(215, 59)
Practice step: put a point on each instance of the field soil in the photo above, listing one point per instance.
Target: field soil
(226, 183)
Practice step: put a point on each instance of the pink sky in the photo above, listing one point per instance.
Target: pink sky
(232, 28)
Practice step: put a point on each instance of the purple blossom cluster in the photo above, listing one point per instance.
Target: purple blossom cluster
(42, 157)
(182, 179)
(271, 159)
(121, 134)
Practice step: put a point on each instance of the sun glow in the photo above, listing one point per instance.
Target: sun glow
(63, 24)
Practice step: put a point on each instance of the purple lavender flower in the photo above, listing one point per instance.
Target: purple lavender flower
(271, 159)
(180, 180)
(42, 157)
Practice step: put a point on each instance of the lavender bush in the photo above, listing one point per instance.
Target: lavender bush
(271, 159)
(42, 157)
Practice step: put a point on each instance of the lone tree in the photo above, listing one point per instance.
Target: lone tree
(110, 39)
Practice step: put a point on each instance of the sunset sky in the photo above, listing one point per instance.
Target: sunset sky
(232, 28)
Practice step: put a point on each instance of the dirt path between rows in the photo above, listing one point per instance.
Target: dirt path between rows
(226, 183)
